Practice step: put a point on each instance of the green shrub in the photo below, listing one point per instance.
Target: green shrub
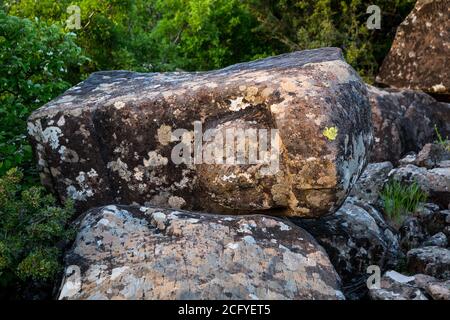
(299, 25)
(32, 228)
(163, 35)
(35, 67)
(400, 199)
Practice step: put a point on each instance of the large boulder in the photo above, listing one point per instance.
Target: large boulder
(419, 57)
(404, 121)
(355, 237)
(115, 138)
(151, 253)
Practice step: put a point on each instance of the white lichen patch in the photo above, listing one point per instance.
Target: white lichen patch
(238, 104)
(176, 202)
(164, 134)
(119, 105)
(121, 168)
(51, 136)
(439, 88)
(155, 160)
(284, 227)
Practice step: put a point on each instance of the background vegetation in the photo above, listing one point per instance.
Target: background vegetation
(40, 58)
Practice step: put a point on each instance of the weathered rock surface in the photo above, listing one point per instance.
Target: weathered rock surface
(396, 286)
(412, 233)
(426, 227)
(111, 139)
(419, 57)
(433, 155)
(404, 121)
(435, 182)
(371, 182)
(432, 260)
(151, 253)
(355, 237)
(438, 240)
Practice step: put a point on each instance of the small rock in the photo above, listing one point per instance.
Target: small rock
(412, 233)
(438, 290)
(410, 158)
(396, 286)
(159, 220)
(438, 240)
(432, 155)
(433, 261)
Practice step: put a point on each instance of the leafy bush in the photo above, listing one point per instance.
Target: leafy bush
(399, 199)
(158, 35)
(35, 67)
(31, 228)
(162, 35)
(299, 24)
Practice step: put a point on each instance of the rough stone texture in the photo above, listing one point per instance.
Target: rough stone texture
(396, 286)
(419, 57)
(438, 290)
(431, 219)
(371, 182)
(151, 253)
(435, 182)
(110, 138)
(433, 155)
(355, 237)
(439, 240)
(412, 233)
(433, 261)
(404, 121)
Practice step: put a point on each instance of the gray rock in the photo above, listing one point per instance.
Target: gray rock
(396, 286)
(412, 233)
(433, 155)
(371, 182)
(114, 138)
(438, 240)
(355, 237)
(433, 261)
(120, 254)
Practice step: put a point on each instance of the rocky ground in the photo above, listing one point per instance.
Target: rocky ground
(316, 228)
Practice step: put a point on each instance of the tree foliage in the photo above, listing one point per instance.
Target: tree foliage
(31, 226)
(35, 66)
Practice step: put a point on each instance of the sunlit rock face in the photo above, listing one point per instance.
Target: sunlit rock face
(420, 55)
(152, 253)
(117, 137)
